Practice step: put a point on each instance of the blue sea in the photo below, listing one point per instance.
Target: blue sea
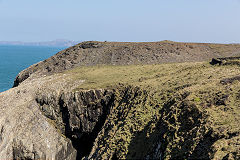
(14, 59)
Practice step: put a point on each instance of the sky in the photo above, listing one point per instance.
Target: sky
(216, 21)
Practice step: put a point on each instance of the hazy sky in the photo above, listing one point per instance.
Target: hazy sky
(122, 20)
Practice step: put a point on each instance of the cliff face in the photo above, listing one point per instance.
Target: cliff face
(26, 133)
(79, 116)
(164, 111)
(124, 123)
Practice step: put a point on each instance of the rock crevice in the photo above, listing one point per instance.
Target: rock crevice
(79, 116)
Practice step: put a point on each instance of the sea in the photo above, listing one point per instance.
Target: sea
(14, 59)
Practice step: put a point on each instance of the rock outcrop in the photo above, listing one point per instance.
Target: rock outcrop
(26, 133)
(79, 116)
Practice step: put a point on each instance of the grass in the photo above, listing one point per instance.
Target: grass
(201, 79)
(162, 82)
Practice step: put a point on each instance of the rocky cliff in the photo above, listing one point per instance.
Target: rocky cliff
(68, 107)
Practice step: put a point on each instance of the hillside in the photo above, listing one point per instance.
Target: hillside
(128, 53)
(83, 104)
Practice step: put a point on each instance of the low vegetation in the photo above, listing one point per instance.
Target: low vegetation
(182, 106)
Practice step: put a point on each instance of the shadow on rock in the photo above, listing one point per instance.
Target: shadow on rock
(181, 127)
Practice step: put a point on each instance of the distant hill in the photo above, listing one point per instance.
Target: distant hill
(58, 42)
(129, 53)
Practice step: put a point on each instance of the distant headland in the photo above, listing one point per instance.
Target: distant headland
(58, 42)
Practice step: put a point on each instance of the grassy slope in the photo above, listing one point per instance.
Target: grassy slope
(163, 83)
(128, 53)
